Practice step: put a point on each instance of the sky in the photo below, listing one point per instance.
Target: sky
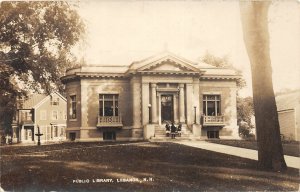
(120, 32)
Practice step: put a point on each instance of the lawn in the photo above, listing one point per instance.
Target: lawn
(140, 166)
(289, 148)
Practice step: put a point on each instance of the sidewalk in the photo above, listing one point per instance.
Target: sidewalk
(291, 161)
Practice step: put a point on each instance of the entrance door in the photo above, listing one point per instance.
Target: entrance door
(28, 133)
(167, 112)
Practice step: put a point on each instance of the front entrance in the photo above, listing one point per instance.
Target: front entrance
(28, 133)
(167, 111)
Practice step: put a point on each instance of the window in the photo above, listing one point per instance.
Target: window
(64, 115)
(72, 136)
(108, 105)
(55, 131)
(212, 105)
(109, 135)
(73, 107)
(28, 115)
(54, 115)
(62, 131)
(43, 115)
(213, 134)
(54, 101)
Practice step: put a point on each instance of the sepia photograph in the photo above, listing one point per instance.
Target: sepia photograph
(150, 95)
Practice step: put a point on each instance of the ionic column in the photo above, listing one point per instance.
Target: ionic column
(153, 103)
(175, 105)
(181, 103)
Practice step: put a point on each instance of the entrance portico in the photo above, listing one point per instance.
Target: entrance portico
(168, 103)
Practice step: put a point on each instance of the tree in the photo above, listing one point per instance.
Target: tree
(245, 111)
(254, 17)
(35, 43)
(223, 62)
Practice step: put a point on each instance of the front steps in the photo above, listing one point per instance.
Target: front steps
(160, 134)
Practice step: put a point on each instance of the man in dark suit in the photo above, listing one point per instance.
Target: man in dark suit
(173, 131)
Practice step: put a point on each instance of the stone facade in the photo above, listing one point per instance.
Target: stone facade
(134, 102)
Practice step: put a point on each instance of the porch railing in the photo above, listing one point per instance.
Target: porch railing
(109, 121)
(213, 120)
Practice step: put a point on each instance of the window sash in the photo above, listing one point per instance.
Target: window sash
(212, 105)
(108, 104)
(54, 115)
(73, 107)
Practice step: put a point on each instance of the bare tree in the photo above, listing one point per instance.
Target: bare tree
(254, 17)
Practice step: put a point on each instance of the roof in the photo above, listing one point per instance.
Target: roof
(139, 64)
(148, 64)
(35, 100)
(32, 100)
(288, 100)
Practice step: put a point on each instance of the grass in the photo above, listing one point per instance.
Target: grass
(289, 148)
(150, 166)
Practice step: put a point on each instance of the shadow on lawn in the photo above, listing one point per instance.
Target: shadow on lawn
(165, 166)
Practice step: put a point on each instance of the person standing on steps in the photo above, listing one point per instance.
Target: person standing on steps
(173, 130)
(179, 129)
(167, 129)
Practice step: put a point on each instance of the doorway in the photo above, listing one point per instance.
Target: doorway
(167, 111)
(28, 133)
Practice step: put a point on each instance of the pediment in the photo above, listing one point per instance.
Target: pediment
(167, 66)
(169, 63)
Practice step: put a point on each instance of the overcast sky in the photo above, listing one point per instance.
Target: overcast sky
(120, 32)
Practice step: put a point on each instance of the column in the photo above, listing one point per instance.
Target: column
(175, 107)
(22, 133)
(181, 103)
(159, 109)
(146, 102)
(189, 104)
(153, 103)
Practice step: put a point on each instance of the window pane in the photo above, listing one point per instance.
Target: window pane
(73, 107)
(218, 108)
(101, 108)
(116, 108)
(108, 108)
(211, 97)
(211, 108)
(108, 96)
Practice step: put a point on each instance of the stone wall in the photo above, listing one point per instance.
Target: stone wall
(73, 88)
(227, 89)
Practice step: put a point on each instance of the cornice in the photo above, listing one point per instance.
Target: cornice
(169, 72)
(220, 77)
